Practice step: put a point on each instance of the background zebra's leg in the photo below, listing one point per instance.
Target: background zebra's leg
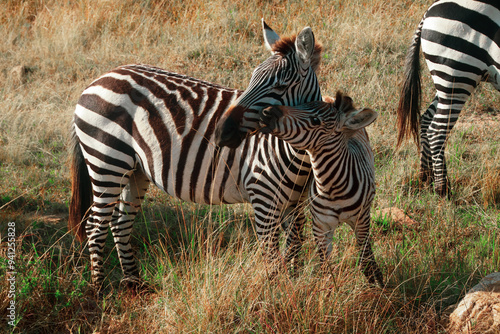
(130, 202)
(448, 109)
(426, 174)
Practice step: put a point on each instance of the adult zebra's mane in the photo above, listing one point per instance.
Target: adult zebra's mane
(153, 70)
(286, 45)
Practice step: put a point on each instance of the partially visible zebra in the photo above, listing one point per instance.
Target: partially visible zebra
(334, 135)
(461, 44)
(139, 124)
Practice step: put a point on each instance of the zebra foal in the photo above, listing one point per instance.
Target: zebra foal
(333, 133)
(460, 41)
(138, 124)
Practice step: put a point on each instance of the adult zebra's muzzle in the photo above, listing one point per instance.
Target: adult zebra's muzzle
(227, 133)
(268, 118)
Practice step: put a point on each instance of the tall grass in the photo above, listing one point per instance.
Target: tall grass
(203, 263)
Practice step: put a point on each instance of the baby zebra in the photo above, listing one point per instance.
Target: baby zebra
(333, 133)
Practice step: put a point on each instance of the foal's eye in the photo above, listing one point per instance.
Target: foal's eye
(315, 121)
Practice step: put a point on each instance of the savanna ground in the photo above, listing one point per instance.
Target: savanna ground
(203, 262)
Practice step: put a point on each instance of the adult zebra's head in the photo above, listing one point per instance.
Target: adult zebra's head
(287, 77)
(312, 125)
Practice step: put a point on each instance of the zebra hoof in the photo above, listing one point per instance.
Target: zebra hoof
(426, 177)
(135, 285)
(98, 290)
(443, 190)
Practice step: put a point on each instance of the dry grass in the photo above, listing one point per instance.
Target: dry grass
(203, 263)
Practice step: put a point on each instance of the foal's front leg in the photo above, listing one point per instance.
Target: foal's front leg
(367, 261)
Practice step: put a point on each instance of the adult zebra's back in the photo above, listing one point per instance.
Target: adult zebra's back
(139, 124)
(460, 41)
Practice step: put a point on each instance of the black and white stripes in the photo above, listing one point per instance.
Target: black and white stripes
(334, 135)
(139, 124)
(460, 40)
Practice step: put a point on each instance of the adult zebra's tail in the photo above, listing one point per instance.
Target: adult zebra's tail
(409, 103)
(81, 191)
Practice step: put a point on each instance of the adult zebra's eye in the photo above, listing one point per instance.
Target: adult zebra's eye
(315, 121)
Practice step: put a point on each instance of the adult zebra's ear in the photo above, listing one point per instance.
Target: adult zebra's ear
(358, 119)
(270, 37)
(304, 45)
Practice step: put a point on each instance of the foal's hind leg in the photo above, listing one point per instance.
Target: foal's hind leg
(130, 202)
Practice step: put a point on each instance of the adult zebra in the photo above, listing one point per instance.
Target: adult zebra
(139, 124)
(461, 44)
(333, 133)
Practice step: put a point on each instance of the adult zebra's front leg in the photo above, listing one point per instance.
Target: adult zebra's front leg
(267, 227)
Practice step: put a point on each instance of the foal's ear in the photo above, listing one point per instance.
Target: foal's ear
(270, 37)
(359, 119)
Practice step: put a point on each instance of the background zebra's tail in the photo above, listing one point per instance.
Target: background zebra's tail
(409, 103)
(81, 191)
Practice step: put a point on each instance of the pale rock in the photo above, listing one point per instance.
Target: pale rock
(479, 311)
(19, 74)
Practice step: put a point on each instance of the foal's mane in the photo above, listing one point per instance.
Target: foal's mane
(343, 103)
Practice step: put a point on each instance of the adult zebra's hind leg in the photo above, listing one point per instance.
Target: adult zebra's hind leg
(121, 227)
(448, 109)
(106, 198)
(426, 175)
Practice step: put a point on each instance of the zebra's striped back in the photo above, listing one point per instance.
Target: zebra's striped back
(460, 40)
(334, 135)
(138, 116)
